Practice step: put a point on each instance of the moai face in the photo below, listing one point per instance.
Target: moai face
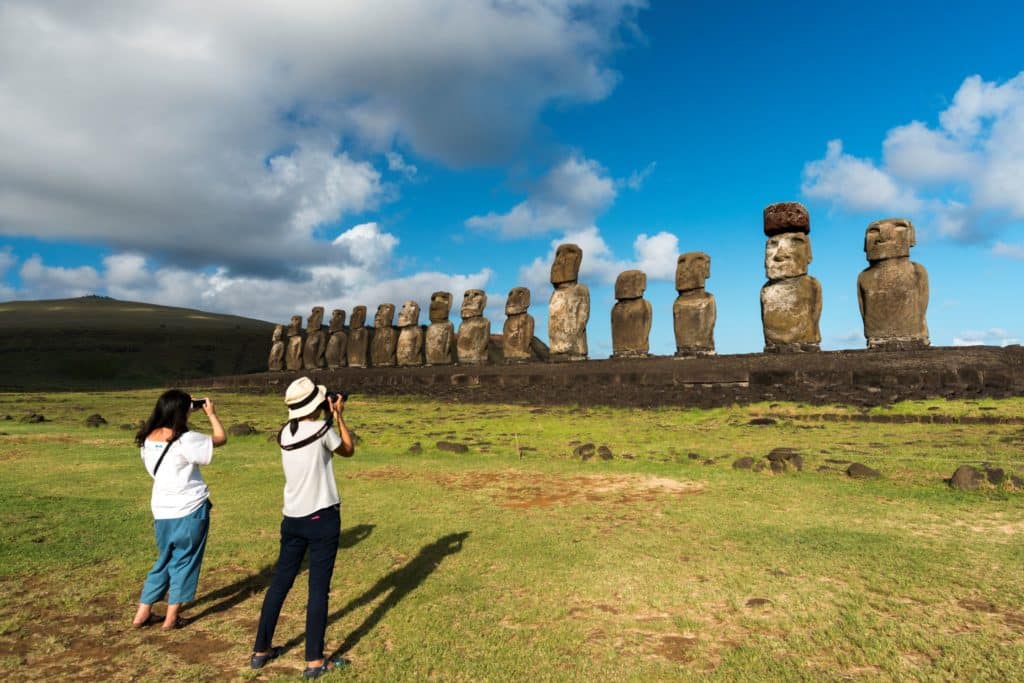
(278, 333)
(295, 326)
(440, 306)
(358, 319)
(474, 301)
(518, 301)
(337, 323)
(692, 269)
(566, 267)
(787, 255)
(385, 315)
(889, 238)
(316, 319)
(410, 314)
(630, 284)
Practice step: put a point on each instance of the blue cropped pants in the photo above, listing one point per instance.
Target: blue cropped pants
(181, 543)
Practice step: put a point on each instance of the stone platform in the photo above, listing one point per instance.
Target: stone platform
(830, 377)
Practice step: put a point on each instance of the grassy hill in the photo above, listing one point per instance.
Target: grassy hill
(98, 342)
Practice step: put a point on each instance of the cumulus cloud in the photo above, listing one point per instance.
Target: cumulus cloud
(992, 337)
(1013, 251)
(236, 135)
(962, 176)
(52, 282)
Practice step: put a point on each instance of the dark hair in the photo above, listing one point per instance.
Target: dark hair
(171, 411)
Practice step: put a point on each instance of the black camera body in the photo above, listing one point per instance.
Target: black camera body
(332, 396)
(198, 404)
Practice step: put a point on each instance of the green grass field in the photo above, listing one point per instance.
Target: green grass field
(515, 560)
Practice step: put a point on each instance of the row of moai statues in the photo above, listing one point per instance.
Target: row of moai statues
(892, 293)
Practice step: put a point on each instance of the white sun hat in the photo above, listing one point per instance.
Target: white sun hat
(303, 397)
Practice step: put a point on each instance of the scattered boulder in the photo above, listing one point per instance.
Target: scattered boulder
(759, 602)
(604, 453)
(95, 420)
(995, 475)
(758, 466)
(859, 471)
(1017, 481)
(584, 451)
(693, 456)
(761, 422)
(243, 429)
(781, 453)
(966, 478)
(416, 448)
(797, 461)
(824, 468)
(709, 461)
(743, 463)
(628, 456)
(777, 466)
(33, 418)
(129, 427)
(452, 447)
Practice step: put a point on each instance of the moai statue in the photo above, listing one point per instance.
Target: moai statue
(440, 338)
(410, 335)
(475, 330)
(631, 316)
(275, 363)
(293, 354)
(385, 338)
(316, 340)
(358, 339)
(337, 344)
(791, 299)
(517, 334)
(893, 290)
(694, 312)
(569, 307)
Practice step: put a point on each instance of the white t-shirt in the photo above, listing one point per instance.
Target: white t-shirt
(308, 473)
(178, 487)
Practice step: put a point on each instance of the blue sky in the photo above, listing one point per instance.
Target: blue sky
(260, 162)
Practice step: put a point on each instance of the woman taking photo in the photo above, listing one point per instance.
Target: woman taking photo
(180, 502)
(312, 517)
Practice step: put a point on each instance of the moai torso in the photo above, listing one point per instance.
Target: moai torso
(694, 311)
(275, 362)
(631, 316)
(293, 352)
(893, 290)
(384, 344)
(475, 331)
(791, 299)
(336, 354)
(569, 307)
(517, 333)
(316, 340)
(358, 339)
(438, 343)
(410, 335)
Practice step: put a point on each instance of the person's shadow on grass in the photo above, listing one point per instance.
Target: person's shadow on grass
(226, 597)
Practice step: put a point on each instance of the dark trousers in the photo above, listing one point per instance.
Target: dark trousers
(319, 533)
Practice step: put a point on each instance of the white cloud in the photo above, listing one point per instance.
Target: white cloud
(51, 282)
(232, 134)
(398, 164)
(855, 184)
(993, 337)
(1013, 251)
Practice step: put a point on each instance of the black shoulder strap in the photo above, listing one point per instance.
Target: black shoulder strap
(161, 459)
(303, 442)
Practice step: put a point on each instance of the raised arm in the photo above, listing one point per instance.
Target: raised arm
(219, 437)
(347, 448)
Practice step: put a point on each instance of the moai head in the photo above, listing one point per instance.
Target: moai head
(474, 301)
(385, 315)
(316, 319)
(787, 255)
(889, 238)
(692, 269)
(337, 323)
(630, 284)
(278, 333)
(566, 267)
(440, 306)
(410, 314)
(295, 326)
(358, 318)
(518, 301)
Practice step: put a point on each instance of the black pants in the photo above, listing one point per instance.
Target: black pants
(319, 532)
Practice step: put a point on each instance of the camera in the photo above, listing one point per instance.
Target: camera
(197, 404)
(332, 396)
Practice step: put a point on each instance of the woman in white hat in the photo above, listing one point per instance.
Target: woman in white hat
(312, 518)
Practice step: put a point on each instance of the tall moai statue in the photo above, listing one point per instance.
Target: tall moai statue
(569, 307)
(694, 312)
(893, 290)
(631, 316)
(316, 340)
(791, 299)
(293, 353)
(384, 343)
(517, 333)
(336, 354)
(475, 330)
(358, 339)
(410, 335)
(440, 338)
(275, 362)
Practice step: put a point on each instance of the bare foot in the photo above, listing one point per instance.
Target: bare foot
(144, 616)
(171, 620)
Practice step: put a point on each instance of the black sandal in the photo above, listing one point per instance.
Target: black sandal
(326, 667)
(259, 661)
(179, 622)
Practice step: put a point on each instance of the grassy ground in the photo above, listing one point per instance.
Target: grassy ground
(516, 560)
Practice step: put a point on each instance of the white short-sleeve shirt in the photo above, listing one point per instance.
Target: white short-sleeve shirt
(308, 471)
(178, 487)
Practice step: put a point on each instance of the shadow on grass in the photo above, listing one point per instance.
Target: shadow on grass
(226, 597)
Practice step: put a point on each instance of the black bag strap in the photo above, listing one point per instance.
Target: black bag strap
(302, 442)
(161, 459)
